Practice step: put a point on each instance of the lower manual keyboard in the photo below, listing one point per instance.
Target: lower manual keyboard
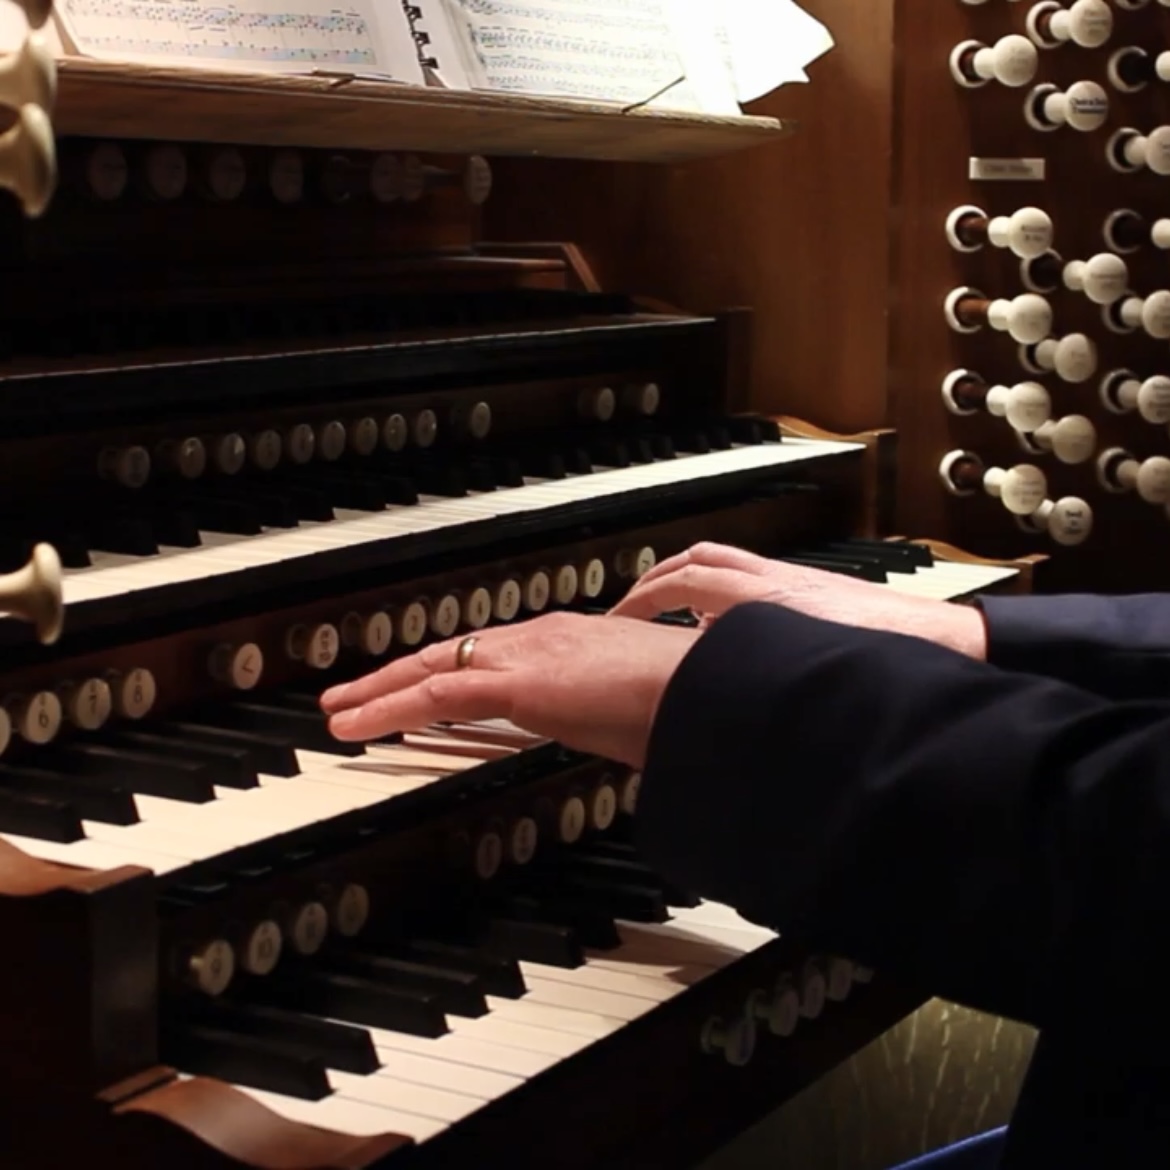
(425, 1085)
(173, 834)
(170, 833)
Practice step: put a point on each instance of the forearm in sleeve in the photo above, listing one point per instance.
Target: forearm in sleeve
(1114, 646)
(997, 838)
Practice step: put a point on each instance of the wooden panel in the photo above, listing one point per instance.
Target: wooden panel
(940, 125)
(99, 98)
(798, 230)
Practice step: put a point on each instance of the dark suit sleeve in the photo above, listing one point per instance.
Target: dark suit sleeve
(1114, 646)
(997, 838)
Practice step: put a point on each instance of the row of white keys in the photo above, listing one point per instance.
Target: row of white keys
(945, 580)
(426, 1085)
(433, 514)
(172, 834)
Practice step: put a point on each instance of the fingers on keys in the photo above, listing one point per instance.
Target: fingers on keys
(700, 588)
(463, 697)
(438, 658)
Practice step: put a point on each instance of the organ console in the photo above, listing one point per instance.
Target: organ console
(275, 412)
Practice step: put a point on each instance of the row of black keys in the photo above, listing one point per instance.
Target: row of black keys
(868, 560)
(278, 1032)
(45, 792)
(136, 523)
(151, 326)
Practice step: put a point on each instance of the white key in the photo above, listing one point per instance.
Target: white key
(281, 547)
(388, 1091)
(521, 1035)
(437, 1073)
(458, 1048)
(344, 1115)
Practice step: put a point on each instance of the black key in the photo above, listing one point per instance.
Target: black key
(439, 480)
(627, 867)
(745, 429)
(398, 489)
(561, 907)
(344, 490)
(176, 526)
(640, 450)
(753, 428)
(718, 436)
(355, 1000)
(229, 767)
(507, 472)
(610, 895)
(307, 729)
(577, 461)
(151, 774)
(126, 534)
(224, 514)
(541, 464)
(274, 755)
(537, 942)
(692, 440)
(338, 1046)
(459, 993)
(499, 974)
(894, 557)
(479, 476)
(305, 700)
(608, 452)
(276, 510)
(93, 800)
(245, 1060)
(305, 500)
(41, 817)
(919, 555)
(845, 568)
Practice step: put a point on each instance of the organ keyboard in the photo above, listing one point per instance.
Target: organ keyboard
(247, 478)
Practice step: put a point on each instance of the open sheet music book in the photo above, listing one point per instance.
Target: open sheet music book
(691, 55)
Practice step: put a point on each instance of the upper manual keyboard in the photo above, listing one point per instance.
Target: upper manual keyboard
(225, 563)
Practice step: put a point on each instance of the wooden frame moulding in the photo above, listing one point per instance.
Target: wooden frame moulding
(106, 99)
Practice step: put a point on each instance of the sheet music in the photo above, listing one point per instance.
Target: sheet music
(609, 50)
(768, 44)
(277, 36)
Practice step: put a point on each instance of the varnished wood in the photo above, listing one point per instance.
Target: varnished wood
(88, 946)
(204, 1122)
(103, 99)
(881, 448)
(798, 231)
(197, 1124)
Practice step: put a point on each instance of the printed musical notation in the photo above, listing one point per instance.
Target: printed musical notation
(265, 35)
(609, 50)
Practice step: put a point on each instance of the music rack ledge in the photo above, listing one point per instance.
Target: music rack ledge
(108, 100)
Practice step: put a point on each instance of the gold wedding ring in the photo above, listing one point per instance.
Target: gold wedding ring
(464, 652)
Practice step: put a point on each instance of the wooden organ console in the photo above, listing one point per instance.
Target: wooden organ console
(275, 408)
